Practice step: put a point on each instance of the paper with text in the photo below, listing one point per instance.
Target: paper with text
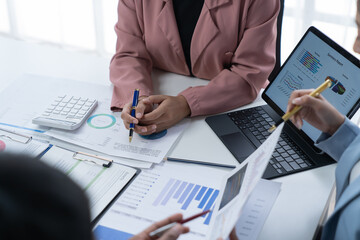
(239, 184)
(155, 194)
(104, 132)
(257, 209)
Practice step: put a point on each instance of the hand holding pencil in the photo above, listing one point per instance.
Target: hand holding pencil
(314, 109)
(293, 108)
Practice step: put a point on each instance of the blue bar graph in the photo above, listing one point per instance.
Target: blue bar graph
(188, 196)
(171, 192)
(206, 197)
(180, 190)
(211, 201)
(185, 193)
(191, 197)
(163, 192)
(208, 217)
(105, 233)
(201, 193)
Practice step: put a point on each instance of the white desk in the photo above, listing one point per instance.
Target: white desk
(303, 195)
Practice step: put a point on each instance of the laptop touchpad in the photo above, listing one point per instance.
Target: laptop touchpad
(239, 145)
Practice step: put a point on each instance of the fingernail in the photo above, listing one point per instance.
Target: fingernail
(138, 115)
(135, 121)
(143, 130)
(153, 127)
(296, 101)
(298, 124)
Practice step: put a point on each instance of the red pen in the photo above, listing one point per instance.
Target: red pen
(160, 231)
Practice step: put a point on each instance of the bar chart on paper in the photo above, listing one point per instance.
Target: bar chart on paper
(184, 195)
(162, 191)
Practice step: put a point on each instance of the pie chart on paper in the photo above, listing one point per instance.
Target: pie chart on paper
(2, 146)
(101, 121)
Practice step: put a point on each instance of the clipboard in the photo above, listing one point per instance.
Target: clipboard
(13, 136)
(18, 143)
(97, 219)
(99, 177)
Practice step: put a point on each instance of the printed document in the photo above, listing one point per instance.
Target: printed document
(239, 184)
(155, 194)
(104, 132)
(257, 209)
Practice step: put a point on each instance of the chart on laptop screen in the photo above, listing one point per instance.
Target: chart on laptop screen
(309, 65)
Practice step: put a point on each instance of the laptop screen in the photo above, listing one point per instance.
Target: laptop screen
(315, 58)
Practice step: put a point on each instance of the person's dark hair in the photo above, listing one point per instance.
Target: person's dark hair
(39, 202)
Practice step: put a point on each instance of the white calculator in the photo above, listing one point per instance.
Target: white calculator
(66, 112)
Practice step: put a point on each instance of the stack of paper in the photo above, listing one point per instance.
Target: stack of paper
(103, 132)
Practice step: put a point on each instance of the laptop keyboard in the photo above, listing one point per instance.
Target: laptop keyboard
(287, 156)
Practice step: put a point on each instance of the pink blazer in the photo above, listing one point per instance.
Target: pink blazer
(233, 46)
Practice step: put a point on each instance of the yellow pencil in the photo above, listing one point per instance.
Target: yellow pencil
(314, 93)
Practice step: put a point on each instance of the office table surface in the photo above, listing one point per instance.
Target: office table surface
(303, 195)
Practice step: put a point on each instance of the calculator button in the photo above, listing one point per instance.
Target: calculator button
(66, 99)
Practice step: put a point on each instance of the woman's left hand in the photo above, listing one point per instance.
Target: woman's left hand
(170, 111)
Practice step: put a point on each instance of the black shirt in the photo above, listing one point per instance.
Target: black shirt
(187, 13)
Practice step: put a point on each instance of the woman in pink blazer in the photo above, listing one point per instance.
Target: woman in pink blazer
(231, 43)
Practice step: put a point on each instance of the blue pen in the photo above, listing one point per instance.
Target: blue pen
(134, 104)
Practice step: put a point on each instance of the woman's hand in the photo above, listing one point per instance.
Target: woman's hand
(142, 108)
(172, 233)
(316, 111)
(169, 111)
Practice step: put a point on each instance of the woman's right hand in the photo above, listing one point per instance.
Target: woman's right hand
(315, 110)
(142, 108)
